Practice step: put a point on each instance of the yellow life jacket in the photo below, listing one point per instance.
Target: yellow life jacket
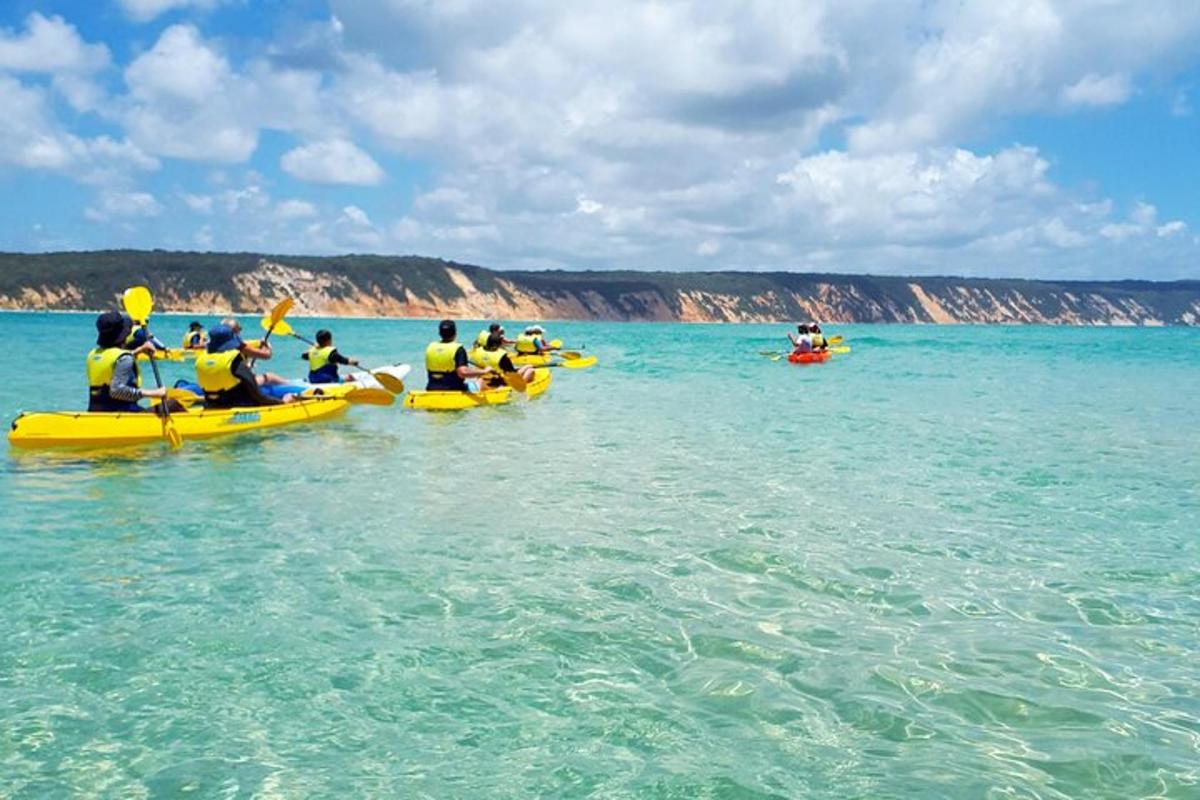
(214, 371)
(320, 368)
(527, 343)
(475, 355)
(818, 340)
(489, 358)
(101, 361)
(188, 344)
(482, 339)
(439, 357)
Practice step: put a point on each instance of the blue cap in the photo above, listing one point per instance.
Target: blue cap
(222, 339)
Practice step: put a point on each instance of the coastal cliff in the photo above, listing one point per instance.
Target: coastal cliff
(411, 286)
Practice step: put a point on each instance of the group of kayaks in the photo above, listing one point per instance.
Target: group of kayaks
(380, 386)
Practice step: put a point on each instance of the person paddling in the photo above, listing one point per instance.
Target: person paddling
(482, 338)
(493, 356)
(818, 339)
(801, 343)
(195, 338)
(446, 362)
(114, 381)
(224, 373)
(323, 360)
(533, 342)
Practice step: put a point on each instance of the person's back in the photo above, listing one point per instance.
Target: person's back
(444, 361)
(112, 371)
(195, 338)
(224, 375)
(323, 359)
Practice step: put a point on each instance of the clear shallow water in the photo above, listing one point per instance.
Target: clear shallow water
(959, 562)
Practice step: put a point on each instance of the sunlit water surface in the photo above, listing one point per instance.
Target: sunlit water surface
(957, 562)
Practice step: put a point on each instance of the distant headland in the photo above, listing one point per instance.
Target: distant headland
(414, 286)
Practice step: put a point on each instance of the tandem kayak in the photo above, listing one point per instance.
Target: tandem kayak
(461, 401)
(819, 357)
(46, 429)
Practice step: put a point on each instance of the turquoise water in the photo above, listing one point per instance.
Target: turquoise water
(958, 562)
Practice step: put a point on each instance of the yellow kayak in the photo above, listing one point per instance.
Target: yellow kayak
(43, 429)
(531, 359)
(461, 401)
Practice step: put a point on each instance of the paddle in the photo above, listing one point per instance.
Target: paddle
(138, 304)
(364, 396)
(274, 318)
(387, 380)
(514, 380)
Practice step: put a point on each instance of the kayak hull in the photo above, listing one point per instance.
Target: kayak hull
(462, 401)
(83, 429)
(531, 360)
(420, 400)
(819, 357)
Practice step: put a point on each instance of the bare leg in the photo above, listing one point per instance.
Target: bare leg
(271, 379)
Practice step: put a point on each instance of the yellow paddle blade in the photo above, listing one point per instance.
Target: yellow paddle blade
(183, 397)
(835, 339)
(389, 382)
(281, 326)
(514, 380)
(174, 438)
(138, 303)
(570, 354)
(280, 311)
(370, 397)
(556, 342)
(578, 363)
(840, 349)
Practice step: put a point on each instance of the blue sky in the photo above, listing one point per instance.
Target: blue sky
(1019, 138)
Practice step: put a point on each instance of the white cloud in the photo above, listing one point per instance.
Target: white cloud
(123, 205)
(1171, 228)
(180, 67)
(295, 209)
(49, 45)
(1094, 90)
(184, 101)
(146, 10)
(336, 161)
(356, 216)
(31, 138)
(200, 203)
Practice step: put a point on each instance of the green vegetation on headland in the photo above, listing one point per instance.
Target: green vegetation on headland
(428, 287)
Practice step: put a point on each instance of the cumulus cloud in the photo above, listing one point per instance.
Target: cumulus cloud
(821, 135)
(123, 205)
(146, 10)
(49, 45)
(1094, 90)
(336, 161)
(31, 138)
(183, 101)
(295, 209)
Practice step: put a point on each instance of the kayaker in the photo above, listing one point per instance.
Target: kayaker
(533, 341)
(195, 338)
(801, 343)
(114, 381)
(446, 362)
(493, 355)
(482, 339)
(323, 359)
(818, 338)
(225, 374)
